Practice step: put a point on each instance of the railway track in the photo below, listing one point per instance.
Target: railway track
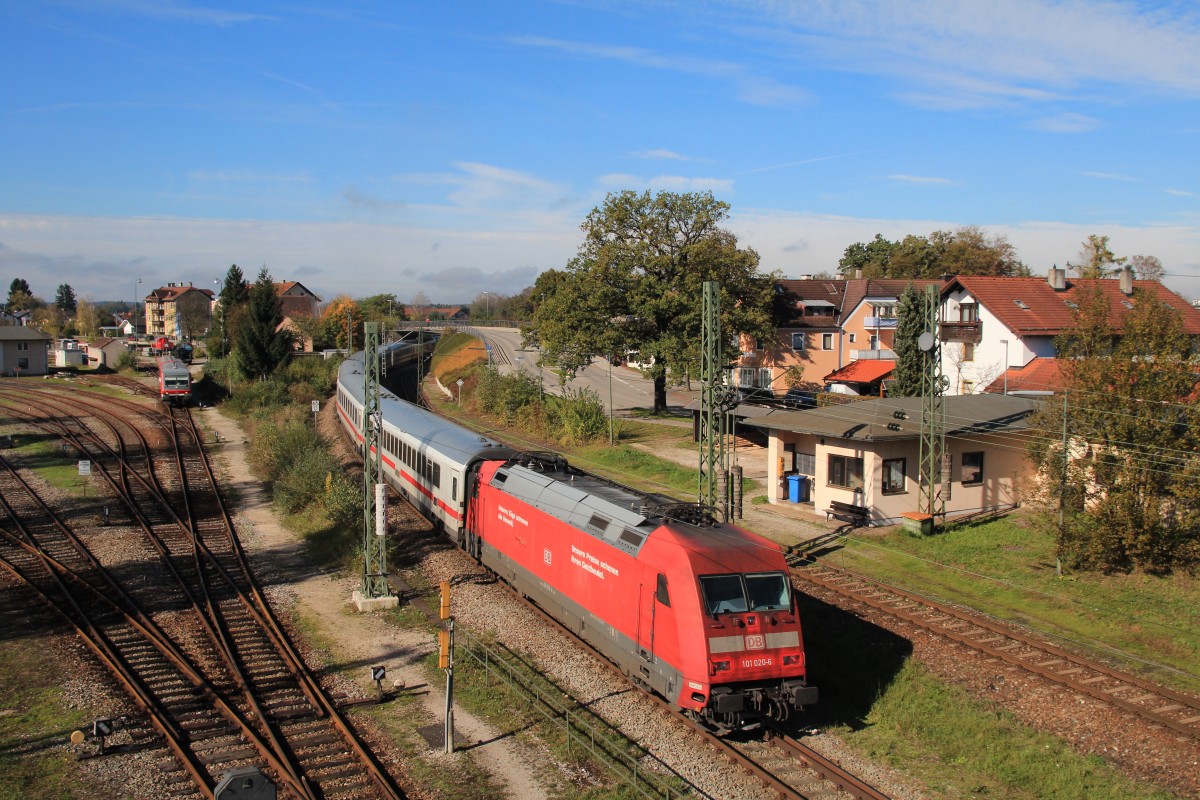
(1156, 704)
(785, 766)
(183, 626)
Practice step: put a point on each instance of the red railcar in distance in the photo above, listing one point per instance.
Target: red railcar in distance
(699, 612)
(174, 381)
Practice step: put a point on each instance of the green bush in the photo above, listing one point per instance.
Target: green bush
(580, 418)
(302, 482)
(342, 499)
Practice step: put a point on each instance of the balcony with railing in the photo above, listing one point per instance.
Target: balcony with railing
(872, 355)
(965, 332)
(880, 322)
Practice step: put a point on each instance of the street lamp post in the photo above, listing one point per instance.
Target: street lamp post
(487, 305)
(134, 316)
(1005, 343)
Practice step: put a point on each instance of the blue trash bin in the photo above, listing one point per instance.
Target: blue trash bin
(805, 484)
(793, 482)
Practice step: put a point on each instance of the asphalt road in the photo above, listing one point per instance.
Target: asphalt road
(626, 386)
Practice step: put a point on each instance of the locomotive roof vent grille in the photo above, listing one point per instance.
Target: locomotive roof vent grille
(598, 523)
(632, 538)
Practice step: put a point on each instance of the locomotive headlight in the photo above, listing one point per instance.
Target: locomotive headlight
(796, 658)
(718, 666)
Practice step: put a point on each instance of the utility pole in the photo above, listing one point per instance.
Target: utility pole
(935, 472)
(374, 592)
(712, 409)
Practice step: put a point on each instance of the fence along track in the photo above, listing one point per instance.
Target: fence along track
(236, 617)
(1157, 704)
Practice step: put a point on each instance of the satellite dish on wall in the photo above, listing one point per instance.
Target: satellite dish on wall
(925, 341)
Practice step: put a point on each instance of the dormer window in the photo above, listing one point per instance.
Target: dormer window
(1021, 305)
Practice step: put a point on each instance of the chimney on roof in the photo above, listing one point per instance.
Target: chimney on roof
(1057, 278)
(946, 277)
(858, 274)
(1127, 280)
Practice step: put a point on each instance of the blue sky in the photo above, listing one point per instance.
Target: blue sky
(454, 148)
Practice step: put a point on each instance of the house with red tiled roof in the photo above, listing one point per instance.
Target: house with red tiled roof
(296, 299)
(992, 326)
(808, 336)
(178, 311)
(868, 319)
(863, 377)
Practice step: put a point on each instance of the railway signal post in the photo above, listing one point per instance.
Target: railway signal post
(446, 661)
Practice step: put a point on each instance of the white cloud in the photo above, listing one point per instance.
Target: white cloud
(660, 154)
(172, 10)
(750, 88)
(922, 179)
(1111, 176)
(1178, 192)
(1065, 123)
(956, 54)
(670, 183)
(247, 176)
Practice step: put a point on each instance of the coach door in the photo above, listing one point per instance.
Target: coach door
(471, 522)
(657, 638)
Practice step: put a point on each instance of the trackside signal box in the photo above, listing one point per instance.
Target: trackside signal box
(443, 649)
(444, 612)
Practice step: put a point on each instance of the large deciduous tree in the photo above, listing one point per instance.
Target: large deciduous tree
(1128, 483)
(636, 283)
(964, 251)
(261, 346)
(342, 323)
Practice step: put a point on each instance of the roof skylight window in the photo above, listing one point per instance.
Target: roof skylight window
(1021, 304)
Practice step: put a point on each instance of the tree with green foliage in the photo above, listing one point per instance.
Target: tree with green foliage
(1096, 259)
(381, 308)
(910, 361)
(231, 309)
(261, 347)
(636, 283)
(17, 290)
(965, 251)
(64, 299)
(1127, 482)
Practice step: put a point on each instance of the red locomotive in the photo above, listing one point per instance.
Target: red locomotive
(696, 610)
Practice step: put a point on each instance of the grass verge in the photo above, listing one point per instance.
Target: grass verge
(34, 721)
(1007, 568)
(959, 747)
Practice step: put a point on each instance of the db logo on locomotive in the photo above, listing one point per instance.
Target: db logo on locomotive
(755, 642)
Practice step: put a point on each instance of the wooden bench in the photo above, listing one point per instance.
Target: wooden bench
(857, 516)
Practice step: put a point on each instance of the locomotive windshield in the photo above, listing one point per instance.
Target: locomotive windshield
(758, 591)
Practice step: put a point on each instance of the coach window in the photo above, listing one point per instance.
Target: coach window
(437, 476)
(454, 488)
(661, 592)
(972, 468)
